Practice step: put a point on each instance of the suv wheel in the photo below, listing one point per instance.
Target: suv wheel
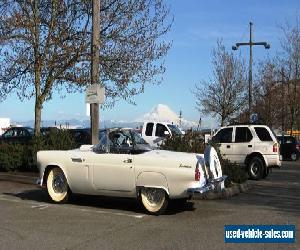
(256, 168)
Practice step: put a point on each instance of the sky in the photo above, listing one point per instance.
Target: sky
(197, 26)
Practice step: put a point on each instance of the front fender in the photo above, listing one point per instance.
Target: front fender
(152, 179)
(47, 168)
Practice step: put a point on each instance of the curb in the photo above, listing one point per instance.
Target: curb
(225, 193)
(24, 178)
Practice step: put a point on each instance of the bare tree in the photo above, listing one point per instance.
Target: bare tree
(267, 92)
(290, 63)
(45, 47)
(224, 94)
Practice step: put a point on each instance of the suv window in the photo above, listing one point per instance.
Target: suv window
(223, 136)
(149, 129)
(290, 140)
(286, 139)
(243, 134)
(263, 134)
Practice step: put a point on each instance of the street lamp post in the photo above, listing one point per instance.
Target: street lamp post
(250, 44)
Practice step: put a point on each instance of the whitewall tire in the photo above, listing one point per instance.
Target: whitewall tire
(154, 200)
(57, 186)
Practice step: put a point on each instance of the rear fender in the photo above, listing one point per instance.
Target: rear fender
(256, 154)
(153, 180)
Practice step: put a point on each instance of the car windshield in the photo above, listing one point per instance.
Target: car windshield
(174, 129)
(121, 141)
(137, 138)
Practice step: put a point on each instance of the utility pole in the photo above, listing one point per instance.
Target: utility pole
(94, 107)
(250, 44)
(283, 101)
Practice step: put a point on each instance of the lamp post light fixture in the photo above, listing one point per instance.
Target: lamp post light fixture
(250, 44)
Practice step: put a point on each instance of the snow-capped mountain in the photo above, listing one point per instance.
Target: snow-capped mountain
(162, 113)
(159, 113)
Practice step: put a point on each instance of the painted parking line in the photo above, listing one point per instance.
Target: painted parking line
(42, 205)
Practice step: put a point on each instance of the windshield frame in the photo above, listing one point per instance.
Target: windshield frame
(136, 143)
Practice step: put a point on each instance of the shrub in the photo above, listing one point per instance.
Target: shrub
(11, 157)
(192, 142)
(235, 172)
(23, 157)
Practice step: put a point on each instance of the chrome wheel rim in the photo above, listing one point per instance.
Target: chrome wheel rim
(254, 169)
(154, 195)
(59, 183)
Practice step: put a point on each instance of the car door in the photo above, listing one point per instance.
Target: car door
(224, 138)
(149, 133)
(160, 133)
(23, 135)
(242, 145)
(113, 166)
(8, 135)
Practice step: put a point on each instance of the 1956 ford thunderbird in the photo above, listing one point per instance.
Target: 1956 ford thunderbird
(123, 165)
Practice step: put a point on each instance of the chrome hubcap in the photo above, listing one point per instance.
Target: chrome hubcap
(254, 169)
(58, 183)
(154, 195)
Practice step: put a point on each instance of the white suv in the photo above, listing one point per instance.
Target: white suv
(254, 146)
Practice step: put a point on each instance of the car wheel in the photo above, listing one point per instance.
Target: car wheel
(57, 186)
(256, 168)
(154, 200)
(293, 156)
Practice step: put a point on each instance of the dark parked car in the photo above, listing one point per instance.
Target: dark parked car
(289, 147)
(81, 136)
(45, 131)
(17, 135)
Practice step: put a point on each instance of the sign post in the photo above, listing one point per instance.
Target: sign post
(95, 48)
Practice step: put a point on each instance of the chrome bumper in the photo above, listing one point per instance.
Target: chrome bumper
(211, 185)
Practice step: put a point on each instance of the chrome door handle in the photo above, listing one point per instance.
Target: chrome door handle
(128, 161)
(77, 159)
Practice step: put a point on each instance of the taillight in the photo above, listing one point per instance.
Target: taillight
(275, 148)
(197, 174)
(297, 147)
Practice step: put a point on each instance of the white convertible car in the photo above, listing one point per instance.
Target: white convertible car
(124, 165)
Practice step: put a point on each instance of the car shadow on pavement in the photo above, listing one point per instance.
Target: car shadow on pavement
(102, 202)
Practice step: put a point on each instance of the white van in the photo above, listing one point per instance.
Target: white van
(155, 132)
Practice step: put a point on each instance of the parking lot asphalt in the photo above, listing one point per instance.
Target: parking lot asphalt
(30, 221)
